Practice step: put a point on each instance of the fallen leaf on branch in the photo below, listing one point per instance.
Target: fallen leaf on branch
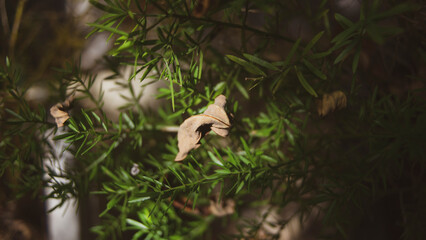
(330, 102)
(194, 128)
(60, 112)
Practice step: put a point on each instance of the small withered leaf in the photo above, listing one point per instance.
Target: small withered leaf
(201, 8)
(194, 128)
(135, 169)
(331, 102)
(60, 113)
(222, 208)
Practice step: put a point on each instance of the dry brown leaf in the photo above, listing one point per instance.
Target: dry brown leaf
(330, 102)
(201, 8)
(194, 128)
(185, 204)
(60, 113)
(222, 208)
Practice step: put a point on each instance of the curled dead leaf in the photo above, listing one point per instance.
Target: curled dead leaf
(60, 112)
(331, 102)
(194, 128)
(222, 208)
(135, 169)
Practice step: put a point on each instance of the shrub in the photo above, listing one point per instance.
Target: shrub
(328, 122)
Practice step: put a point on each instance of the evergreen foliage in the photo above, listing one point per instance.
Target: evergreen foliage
(337, 168)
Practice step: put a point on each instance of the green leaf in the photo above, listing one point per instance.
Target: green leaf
(268, 158)
(110, 174)
(170, 78)
(242, 90)
(108, 29)
(245, 160)
(73, 125)
(176, 114)
(140, 199)
(177, 175)
(399, 9)
(105, 127)
(279, 80)
(98, 138)
(136, 224)
(344, 53)
(82, 145)
(200, 68)
(219, 87)
(343, 21)
(261, 62)
(151, 64)
(143, 196)
(311, 43)
(15, 114)
(240, 187)
(304, 83)
(113, 202)
(64, 136)
(96, 116)
(321, 54)
(214, 159)
(89, 121)
(380, 33)
(126, 45)
(314, 70)
(105, 8)
(196, 195)
(246, 147)
(247, 66)
(356, 60)
(178, 69)
(291, 53)
(346, 34)
(223, 171)
(128, 121)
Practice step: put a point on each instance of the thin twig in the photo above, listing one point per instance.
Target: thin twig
(233, 25)
(243, 29)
